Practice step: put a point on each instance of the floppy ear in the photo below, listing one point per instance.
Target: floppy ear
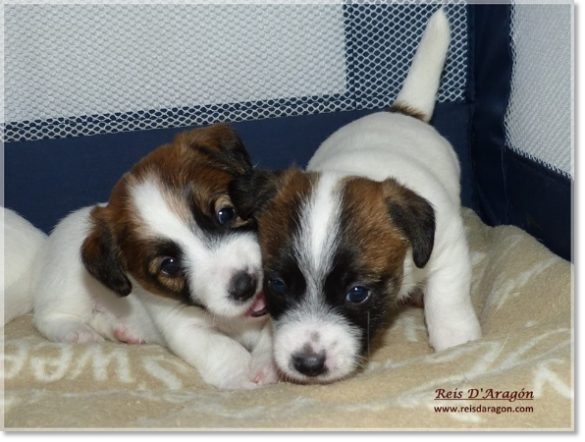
(414, 216)
(100, 255)
(222, 145)
(252, 192)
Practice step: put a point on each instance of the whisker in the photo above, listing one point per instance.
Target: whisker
(368, 334)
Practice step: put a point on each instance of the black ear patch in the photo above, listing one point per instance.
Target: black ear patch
(100, 257)
(414, 216)
(252, 192)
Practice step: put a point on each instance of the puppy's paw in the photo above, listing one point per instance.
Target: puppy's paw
(450, 336)
(232, 373)
(81, 334)
(236, 383)
(263, 370)
(124, 334)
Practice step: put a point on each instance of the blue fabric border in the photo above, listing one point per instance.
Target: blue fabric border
(510, 188)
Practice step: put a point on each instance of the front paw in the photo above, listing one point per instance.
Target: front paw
(234, 376)
(263, 371)
(236, 383)
(447, 337)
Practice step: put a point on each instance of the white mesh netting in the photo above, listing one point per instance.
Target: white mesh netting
(539, 115)
(75, 70)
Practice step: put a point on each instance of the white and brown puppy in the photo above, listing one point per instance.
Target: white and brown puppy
(166, 261)
(376, 216)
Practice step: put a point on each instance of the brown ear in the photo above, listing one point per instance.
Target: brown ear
(222, 144)
(414, 216)
(100, 255)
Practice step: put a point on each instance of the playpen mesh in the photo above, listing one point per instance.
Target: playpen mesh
(75, 70)
(539, 117)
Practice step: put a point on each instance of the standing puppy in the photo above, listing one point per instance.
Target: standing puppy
(166, 261)
(375, 217)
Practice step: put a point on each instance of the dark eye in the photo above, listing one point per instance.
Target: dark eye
(226, 215)
(357, 294)
(277, 285)
(170, 267)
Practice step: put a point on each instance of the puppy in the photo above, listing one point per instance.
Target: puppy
(22, 242)
(375, 218)
(166, 261)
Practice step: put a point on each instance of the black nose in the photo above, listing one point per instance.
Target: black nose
(309, 364)
(243, 286)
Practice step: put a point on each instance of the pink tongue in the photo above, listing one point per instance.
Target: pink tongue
(259, 306)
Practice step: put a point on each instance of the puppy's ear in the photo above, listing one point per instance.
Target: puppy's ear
(252, 192)
(100, 255)
(414, 216)
(222, 145)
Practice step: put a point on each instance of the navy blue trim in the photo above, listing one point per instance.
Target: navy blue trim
(510, 188)
(470, 98)
(540, 202)
(492, 78)
(453, 121)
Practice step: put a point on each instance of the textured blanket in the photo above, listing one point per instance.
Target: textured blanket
(519, 376)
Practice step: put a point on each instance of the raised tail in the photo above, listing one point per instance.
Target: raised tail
(419, 91)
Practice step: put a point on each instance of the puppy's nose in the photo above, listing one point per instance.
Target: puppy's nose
(242, 286)
(309, 364)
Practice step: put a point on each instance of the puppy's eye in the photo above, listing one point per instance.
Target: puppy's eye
(277, 285)
(226, 214)
(357, 294)
(170, 267)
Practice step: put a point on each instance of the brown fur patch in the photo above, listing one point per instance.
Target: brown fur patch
(281, 218)
(367, 225)
(409, 111)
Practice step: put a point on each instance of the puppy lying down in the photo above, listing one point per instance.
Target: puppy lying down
(166, 261)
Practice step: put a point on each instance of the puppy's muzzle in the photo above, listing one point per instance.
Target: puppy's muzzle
(242, 286)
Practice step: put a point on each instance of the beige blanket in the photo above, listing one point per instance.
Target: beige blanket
(521, 369)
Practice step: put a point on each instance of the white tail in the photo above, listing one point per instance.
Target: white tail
(419, 92)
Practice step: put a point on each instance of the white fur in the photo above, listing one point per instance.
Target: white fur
(318, 233)
(230, 350)
(394, 145)
(22, 242)
(421, 85)
(312, 324)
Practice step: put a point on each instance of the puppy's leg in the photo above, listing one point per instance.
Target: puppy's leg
(64, 310)
(263, 368)
(221, 361)
(65, 328)
(451, 319)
